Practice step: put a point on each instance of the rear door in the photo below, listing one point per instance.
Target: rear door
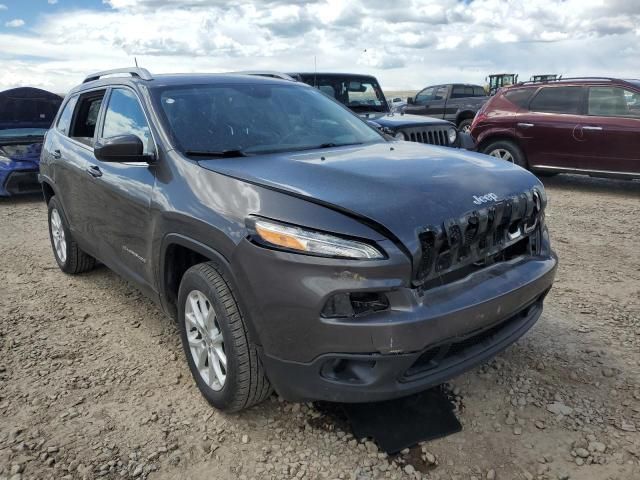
(548, 130)
(611, 132)
(121, 192)
(71, 153)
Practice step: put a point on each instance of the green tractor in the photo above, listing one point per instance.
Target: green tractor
(549, 77)
(499, 80)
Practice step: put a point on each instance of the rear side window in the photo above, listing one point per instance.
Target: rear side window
(64, 122)
(519, 97)
(83, 127)
(463, 91)
(613, 102)
(125, 116)
(557, 100)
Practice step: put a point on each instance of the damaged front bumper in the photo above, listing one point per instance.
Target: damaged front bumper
(423, 338)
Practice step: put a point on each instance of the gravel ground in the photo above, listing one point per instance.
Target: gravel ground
(93, 381)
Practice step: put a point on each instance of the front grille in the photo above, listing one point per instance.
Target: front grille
(504, 230)
(22, 182)
(430, 135)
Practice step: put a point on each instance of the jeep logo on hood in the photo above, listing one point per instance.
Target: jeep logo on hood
(485, 198)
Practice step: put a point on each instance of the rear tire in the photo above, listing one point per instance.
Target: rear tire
(465, 125)
(70, 258)
(223, 361)
(506, 150)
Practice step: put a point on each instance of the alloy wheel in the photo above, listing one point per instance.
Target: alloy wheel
(502, 154)
(57, 234)
(206, 343)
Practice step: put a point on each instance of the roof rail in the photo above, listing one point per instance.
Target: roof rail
(141, 73)
(267, 73)
(570, 79)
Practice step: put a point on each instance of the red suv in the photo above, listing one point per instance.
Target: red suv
(581, 125)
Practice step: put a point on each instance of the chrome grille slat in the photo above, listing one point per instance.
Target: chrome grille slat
(428, 135)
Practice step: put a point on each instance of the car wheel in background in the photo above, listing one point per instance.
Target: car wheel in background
(465, 125)
(506, 150)
(70, 258)
(222, 359)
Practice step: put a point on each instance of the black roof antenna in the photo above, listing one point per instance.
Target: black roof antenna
(136, 60)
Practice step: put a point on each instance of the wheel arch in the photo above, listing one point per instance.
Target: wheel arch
(48, 191)
(502, 137)
(464, 115)
(179, 253)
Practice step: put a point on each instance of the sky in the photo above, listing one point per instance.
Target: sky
(407, 44)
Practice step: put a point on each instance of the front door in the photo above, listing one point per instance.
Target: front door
(612, 130)
(121, 193)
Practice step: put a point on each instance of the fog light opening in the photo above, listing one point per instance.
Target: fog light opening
(346, 305)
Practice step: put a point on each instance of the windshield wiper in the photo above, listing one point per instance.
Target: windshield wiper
(215, 154)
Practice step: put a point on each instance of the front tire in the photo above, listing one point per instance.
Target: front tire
(465, 125)
(506, 150)
(223, 361)
(69, 257)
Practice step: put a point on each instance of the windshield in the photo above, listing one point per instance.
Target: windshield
(22, 132)
(257, 118)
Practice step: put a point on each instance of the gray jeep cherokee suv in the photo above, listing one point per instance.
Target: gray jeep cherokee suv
(297, 247)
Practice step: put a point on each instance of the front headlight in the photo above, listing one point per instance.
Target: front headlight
(313, 243)
(452, 133)
(5, 160)
(400, 136)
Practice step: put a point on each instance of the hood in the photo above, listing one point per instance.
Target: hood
(401, 186)
(28, 108)
(399, 120)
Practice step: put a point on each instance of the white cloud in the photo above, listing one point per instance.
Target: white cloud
(15, 23)
(3, 6)
(52, 2)
(409, 43)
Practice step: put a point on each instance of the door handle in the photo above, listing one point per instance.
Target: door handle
(526, 125)
(56, 154)
(592, 128)
(94, 171)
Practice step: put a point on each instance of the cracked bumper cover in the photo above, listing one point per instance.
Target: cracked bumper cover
(423, 339)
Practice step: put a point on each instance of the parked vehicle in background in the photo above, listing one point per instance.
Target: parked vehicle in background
(499, 80)
(549, 77)
(574, 125)
(297, 247)
(363, 95)
(25, 116)
(397, 104)
(456, 102)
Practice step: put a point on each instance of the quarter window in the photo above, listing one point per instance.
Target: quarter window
(64, 122)
(613, 102)
(557, 100)
(125, 116)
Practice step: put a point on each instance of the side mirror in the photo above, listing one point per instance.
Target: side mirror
(123, 148)
(411, 100)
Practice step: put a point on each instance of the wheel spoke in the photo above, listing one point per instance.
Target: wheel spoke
(202, 355)
(221, 355)
(215, 361)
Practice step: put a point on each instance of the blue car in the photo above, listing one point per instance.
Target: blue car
(25, 116)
